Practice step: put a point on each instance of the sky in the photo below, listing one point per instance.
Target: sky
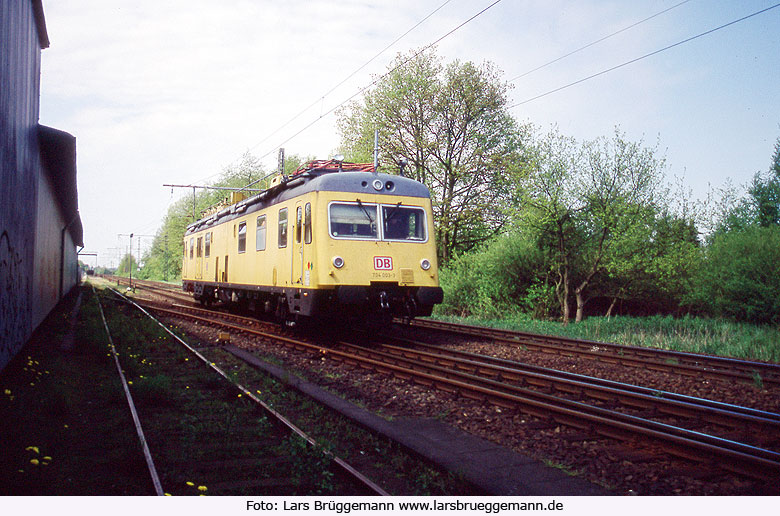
(174, 91)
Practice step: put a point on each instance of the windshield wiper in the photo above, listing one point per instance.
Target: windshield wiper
(392, 213)
(365, 211)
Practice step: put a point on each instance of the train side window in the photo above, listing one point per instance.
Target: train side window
(242, 237)
(307, 224)
(298, 224)
(260, 234)
(199, 249)
(283, 227)
(192, 247)
(207, 249)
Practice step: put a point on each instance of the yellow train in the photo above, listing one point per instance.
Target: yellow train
(332, 241)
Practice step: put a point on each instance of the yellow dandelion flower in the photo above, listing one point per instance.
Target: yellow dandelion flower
(203, 488)
(47, 458)
(34, 462)
(33, 449)
(130, 382)
(190, 484)
(168, 494)
(239, 395)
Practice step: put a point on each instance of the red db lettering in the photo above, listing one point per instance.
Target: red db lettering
(383, 263)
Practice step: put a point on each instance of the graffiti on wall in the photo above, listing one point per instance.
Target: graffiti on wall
(15, 310)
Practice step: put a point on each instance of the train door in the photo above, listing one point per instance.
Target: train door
(296, 277)
(199, 259)
(301, 252)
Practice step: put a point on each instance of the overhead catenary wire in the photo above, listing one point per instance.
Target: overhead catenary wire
(379, 78)
(548, 63)
(348, 77)
(603, 72)
(320, 100)
(372, 83)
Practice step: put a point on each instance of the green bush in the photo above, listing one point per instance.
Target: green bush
(504, 276)
(740, 278)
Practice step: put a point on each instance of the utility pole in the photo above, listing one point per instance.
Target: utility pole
(166, 256)
(131, 261)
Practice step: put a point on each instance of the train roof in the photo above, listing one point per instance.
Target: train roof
(330, 176)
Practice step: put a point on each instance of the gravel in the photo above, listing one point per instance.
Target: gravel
(625, 468)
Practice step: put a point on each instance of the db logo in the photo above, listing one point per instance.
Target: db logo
(383, 263)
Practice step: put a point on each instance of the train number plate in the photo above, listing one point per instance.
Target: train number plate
(383, 263)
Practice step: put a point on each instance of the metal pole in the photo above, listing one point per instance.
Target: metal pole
(131, 260)
(376, 149)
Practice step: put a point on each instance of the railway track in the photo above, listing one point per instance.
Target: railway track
(229, 439)
(614, 411)
(688, 364)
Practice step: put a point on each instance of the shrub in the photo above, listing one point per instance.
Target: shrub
(501, 277)
(740, 278)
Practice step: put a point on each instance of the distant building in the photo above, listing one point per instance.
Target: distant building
(40, 227)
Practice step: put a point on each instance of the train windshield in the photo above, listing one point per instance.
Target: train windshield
(403, 223)
(353, 221)
(362, 221)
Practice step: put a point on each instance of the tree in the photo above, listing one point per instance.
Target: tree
(125, 265)
(550, 208)
(759, 206)
(619, 179)
(581, 199)
(452, 125)
(652, 263)
(764, 193)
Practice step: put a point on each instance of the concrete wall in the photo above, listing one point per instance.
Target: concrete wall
(32, 185)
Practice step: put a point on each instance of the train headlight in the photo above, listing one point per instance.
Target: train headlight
(378, 185)
(425, 264)
(338, 262)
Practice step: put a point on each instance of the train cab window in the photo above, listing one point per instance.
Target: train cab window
(353, 220)
(260, 234)
(403, 223)
(192, 247)
(207, 248)
(298, 224)
(307, 223)
(242, 237)
(283, 227)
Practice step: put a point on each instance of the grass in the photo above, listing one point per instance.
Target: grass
(51, 442)
(688, 334)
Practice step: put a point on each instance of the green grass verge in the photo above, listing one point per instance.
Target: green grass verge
(689, 334)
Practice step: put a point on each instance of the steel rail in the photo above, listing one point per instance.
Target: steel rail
(136, 421)
(737, 457)
(510, 369)
(752, 460)
(692, 364)
(348, 469)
